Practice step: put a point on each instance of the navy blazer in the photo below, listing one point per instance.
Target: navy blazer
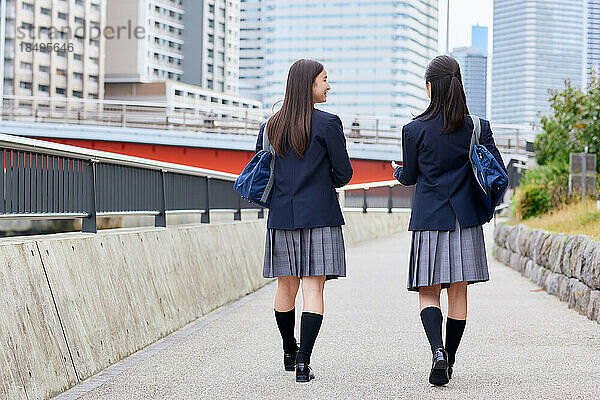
(304, 193)
(439, 165)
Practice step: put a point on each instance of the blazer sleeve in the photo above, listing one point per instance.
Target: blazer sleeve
(487, 139)
(259, 140)
(335, 142)
(407, 174)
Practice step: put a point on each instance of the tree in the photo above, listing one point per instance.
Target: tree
(573, 124)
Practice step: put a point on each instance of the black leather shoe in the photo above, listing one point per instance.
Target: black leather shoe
(289, 360)
(304, 373)
(439, 368)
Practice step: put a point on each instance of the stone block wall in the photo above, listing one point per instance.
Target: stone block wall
(564, 265)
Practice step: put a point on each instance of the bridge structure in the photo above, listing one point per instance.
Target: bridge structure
(221, 137)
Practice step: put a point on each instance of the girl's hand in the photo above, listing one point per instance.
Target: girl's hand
(394, 165)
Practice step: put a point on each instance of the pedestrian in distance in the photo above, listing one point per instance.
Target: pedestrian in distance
(304, 242)
(448, 248)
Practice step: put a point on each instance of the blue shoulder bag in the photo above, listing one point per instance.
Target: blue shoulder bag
(256, 180)
(491, 179)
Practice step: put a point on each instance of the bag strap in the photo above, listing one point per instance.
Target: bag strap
(267, 146)
(266, 142)
(476, 133)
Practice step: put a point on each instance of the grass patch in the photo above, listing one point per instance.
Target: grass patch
(574, 219)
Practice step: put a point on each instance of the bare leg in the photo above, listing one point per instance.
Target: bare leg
(429, 296)
(312, 294)
(285, 297)
(457, 301)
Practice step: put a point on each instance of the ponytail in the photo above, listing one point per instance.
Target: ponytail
(455, 106)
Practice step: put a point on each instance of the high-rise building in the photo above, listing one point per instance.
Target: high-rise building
(375, 52)
(211, 49)
(593, 35)
(537, 46)
(150, 48)
(479, 38)
(71, 66)
(252, 49)
(473, 65)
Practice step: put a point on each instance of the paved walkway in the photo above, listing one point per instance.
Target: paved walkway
(520, 343)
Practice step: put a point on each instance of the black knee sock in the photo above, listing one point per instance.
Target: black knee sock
(432, 322)
(454, 332)
(285, 322)
(309, 329)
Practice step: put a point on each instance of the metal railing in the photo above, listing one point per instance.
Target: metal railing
(41, 180)
(216, 118)
(376, 196)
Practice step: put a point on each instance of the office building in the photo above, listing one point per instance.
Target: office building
(473, 65)
(375, 52)
(593, 36)
(72, 67)
(537, 46)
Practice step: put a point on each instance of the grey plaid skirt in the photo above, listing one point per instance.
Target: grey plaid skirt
(444, 257)
(305, 252)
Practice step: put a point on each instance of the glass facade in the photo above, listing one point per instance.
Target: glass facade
(537, 46)
(375, 52)
(593, 35)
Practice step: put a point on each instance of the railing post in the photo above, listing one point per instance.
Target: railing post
(205, 219)
(377, 130)
(261, 213)
(88, 224)
(390, 200)
(364, 200)
(160, 221)
(237, 216)
(124, 116)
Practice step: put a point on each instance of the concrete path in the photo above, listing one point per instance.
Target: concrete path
(520, 343)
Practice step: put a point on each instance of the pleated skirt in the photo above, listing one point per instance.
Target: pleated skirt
(305, 252)
(444, 257)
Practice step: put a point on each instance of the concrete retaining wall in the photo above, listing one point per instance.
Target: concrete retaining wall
(564, 265)
(76, 303)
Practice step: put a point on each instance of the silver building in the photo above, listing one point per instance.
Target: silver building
(593, 36)
(150, 48)
(537, 46)
(473, 65)
(52, 48)
(375, 51)
(211, 49)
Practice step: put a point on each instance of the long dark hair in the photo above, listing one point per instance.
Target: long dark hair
(447, 93)
(291, 124)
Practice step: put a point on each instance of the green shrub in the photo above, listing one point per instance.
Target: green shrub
(531, 200)
(554, 177)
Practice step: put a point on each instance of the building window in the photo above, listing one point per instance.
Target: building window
(93, 78)
(79, 21)
(25, 85)
(61, 53)
(44, 88)
(44, 68)
(80, 2)
(77, 75)
(178, 93)
(211, 38)
(26, 26)
(94, 42)
(77, 93)
(27, 6)
(95, 7)
(61, 91)
(94, 60)
(26, 66)
(93, 96)
(78, 57)
(46, 11)
(63, 16)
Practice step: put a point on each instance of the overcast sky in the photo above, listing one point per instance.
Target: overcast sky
(463, 14)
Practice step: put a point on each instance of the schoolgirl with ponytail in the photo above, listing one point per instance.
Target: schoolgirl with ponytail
(448, 247)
